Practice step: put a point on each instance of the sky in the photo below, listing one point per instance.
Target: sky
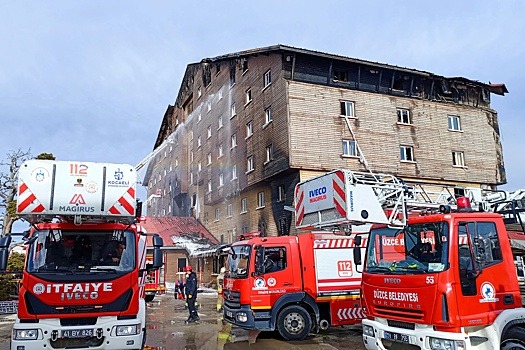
(91, 80)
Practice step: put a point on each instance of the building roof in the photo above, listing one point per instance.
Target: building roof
(499, 89)
(180, 232)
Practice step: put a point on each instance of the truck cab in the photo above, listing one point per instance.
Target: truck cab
(261, 274)
(445, 281)
(83, 283)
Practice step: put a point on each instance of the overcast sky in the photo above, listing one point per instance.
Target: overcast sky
(91, 80)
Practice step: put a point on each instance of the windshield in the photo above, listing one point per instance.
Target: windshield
(421, 248)
(238, 261)
(81, 252)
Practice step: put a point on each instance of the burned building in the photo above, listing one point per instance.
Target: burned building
(246, 127)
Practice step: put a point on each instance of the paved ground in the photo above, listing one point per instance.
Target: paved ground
(166, 331)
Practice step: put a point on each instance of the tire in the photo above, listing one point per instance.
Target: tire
(514, 339)
(294, 323)
(149, 298)
(511, 345)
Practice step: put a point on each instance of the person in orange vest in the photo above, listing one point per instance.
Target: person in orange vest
(220, 284)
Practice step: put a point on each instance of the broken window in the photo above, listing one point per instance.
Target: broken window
(281, 193)
(232, 76)
(347, 108)
(206, 75)
(341, 76)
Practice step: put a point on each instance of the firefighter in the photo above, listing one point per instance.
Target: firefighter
(179, 290)
(220, 283)
(191, 294)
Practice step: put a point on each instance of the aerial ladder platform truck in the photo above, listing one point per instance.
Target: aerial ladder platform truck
(449, 279)
(83, 283)
(301, 284)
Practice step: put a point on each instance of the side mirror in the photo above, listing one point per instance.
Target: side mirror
(157, 241)
(5, 242)
(357, 256)
(157, 253)
(358, 240)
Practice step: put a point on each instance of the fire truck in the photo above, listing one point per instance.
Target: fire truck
(299, 284)
(154, 281)
(448, 279)
(83, 284)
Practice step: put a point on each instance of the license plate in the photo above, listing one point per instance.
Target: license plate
(77, 333)
(403, 338)
(229, 314)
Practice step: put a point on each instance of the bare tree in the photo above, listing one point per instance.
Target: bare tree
(8, 187)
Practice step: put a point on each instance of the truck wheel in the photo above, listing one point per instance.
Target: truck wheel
(149, 298)
(514, 339)
(294, 323)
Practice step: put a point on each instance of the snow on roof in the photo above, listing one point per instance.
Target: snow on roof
(191, 244)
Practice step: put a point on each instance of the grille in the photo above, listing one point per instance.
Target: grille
(387, 312)
(232, 299)
(401, 324)
(83, 321)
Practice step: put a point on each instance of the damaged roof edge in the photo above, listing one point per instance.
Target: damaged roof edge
(499, 89)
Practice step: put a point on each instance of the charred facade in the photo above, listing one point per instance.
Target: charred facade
(247, 127)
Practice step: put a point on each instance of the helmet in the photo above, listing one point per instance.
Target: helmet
(223, 269)
(188, 268)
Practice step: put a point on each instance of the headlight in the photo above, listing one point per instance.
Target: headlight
(446, 344)
(241, 317)
(128, 330)
(26, 334)
(368, 330)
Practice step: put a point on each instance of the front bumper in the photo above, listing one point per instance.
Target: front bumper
(49, 333)
(418, 338)
(246, 318)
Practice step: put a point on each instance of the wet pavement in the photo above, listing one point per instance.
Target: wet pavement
(166, 331)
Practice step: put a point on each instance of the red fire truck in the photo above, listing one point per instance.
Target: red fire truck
(84, 275)
(299, 284)
(154, 281)
(447, 280)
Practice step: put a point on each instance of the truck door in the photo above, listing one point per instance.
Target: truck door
(277, 277)
(480, 294)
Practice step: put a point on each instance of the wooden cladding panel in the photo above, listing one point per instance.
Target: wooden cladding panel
(316, 132)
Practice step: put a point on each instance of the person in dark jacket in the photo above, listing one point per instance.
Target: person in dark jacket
(191, 294)
(179, 290)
